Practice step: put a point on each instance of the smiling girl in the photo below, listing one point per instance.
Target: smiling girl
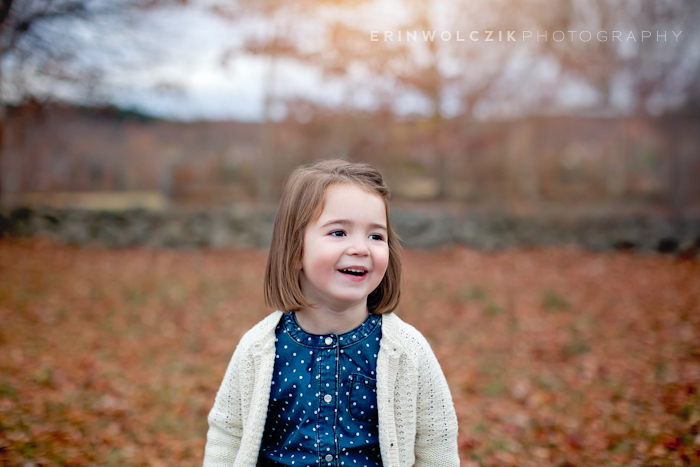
(333, 378)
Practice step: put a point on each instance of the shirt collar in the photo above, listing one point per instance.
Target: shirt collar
(292, 328)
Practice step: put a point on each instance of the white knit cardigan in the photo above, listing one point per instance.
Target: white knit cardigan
(417, 421)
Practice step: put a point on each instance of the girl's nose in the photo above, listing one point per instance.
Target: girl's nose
(358, 247)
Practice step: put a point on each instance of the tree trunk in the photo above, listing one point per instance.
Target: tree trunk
(263, 184)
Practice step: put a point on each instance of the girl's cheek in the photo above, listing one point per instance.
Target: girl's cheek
(386, 266)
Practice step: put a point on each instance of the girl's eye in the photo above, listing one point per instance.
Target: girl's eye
(337, 233)
(376, 237)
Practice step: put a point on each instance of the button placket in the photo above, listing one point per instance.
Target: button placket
(327, 411)
(345, 434)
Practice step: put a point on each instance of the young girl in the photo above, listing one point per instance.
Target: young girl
(334, 378)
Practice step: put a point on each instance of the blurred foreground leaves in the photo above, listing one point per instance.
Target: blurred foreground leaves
(555, 357)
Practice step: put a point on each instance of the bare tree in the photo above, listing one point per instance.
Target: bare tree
(644, 47)
(37, 45)
(288, 26)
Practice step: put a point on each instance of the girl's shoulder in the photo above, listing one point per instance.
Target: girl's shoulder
(409, 339)
(262, 333)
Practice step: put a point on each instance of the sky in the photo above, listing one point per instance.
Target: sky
(188, 81)
(176, 63)
(170, 63)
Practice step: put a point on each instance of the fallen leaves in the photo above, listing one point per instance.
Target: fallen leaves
(555, 357)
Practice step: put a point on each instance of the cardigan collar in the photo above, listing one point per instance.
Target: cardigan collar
(389, 343)
(266, 343)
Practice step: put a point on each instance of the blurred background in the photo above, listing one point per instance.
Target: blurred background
(517, 106)
(544, 162)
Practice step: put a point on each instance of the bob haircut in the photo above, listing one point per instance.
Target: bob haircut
(302, 202)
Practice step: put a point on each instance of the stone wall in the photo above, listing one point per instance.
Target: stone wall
(418, 228)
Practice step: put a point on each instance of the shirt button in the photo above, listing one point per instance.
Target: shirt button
(327, 398)
(329, 458)
(329, 341)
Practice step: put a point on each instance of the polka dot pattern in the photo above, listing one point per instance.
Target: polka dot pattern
(323, 400)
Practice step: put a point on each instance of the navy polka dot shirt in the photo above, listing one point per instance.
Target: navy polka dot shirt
(323, 399)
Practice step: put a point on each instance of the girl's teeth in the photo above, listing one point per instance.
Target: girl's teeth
(354, 271)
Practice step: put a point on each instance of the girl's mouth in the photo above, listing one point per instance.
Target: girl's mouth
(353, 272)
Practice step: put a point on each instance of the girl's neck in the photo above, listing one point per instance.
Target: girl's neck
(324, 320)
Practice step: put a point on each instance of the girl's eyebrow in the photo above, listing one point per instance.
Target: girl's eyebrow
(349, 222)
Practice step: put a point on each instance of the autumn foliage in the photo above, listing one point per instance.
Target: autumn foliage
(555, 357)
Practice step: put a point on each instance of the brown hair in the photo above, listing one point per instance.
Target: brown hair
(302, 202)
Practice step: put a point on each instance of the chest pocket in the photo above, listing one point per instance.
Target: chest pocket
(362, 403)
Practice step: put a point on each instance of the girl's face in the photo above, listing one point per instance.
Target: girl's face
(345, 253)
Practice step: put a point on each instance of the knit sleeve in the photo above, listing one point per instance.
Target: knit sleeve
(436, 420)
(225, 418)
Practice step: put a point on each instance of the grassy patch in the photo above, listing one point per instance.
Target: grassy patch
(553, 301)
(495, 388)
(492, 309)
(576, 346)
(473, 293)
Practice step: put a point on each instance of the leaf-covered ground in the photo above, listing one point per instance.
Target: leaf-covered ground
(555, 357)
